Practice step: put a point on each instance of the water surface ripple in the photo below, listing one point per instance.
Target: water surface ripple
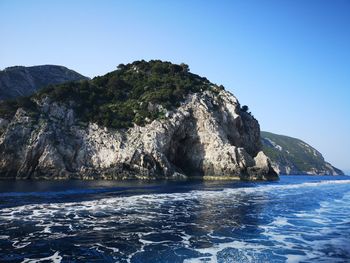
(298, 219)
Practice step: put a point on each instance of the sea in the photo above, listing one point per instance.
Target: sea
(295, 219)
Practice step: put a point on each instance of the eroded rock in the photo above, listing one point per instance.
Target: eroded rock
(207, 136)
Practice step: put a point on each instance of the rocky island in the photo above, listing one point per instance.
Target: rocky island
(145, 120)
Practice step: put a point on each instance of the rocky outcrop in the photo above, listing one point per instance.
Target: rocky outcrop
(207, 136)
(292, 156)
(23, 81)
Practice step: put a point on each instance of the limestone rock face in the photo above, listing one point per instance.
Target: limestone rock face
(206, 136)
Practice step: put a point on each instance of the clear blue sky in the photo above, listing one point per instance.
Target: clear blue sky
(289, 61)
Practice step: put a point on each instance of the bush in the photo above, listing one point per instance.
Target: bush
(244, 108)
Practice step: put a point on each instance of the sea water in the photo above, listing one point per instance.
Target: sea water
(297, 219)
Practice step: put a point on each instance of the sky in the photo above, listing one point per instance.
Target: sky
(289, 61)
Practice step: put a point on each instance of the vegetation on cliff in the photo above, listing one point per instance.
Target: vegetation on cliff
(134, 93)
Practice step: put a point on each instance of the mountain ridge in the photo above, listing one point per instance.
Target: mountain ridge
(18, 81)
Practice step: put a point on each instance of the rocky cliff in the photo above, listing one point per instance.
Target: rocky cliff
(24, 81)
(293, 156)
(197, 130)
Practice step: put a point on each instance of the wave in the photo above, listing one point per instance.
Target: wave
(55, 258)
(126, 203)
(252, 188)
(290, 186)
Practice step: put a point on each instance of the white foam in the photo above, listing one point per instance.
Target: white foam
(295, 258)
(47, 229)
(107, 247)
(243, 247)
(55, 258)
(35, 211)
(267, 188)
(317, 239)
(19, 244)
(101, 228)
(281, 221)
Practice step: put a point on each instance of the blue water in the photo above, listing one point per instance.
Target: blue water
(298, 219)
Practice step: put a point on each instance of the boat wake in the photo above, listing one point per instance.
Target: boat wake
(281, 222)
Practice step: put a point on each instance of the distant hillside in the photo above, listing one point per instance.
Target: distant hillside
(23, 81)
(293, 156)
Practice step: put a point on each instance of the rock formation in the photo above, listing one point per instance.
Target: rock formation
(206, 135)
